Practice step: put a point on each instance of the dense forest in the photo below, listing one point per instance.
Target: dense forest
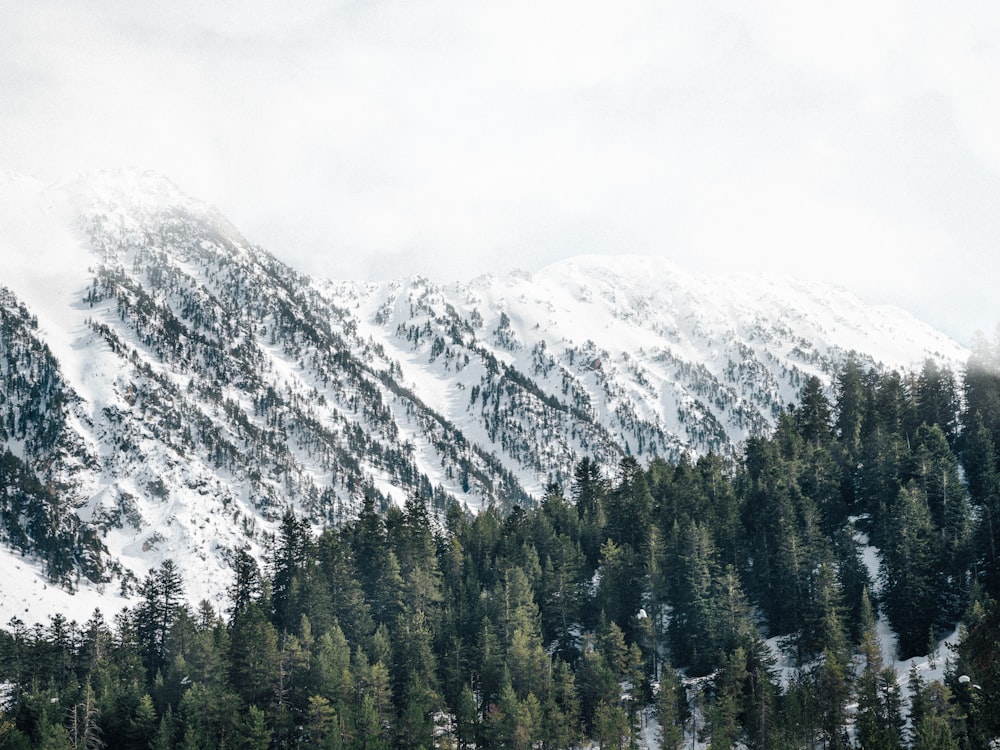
(632, 606)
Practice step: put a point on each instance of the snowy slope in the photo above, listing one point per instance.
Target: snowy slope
(624, 354)
(167, 389)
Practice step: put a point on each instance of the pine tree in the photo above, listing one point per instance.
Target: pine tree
(466, 718)
(561, 709)
(590, 490)
(831, 683)
(879, 717)
(415, 667)
(330, 673)
(291, 560)
(377, 565)
(982, 384)
(693, 630)
(209, 716)
(517, 720)
(415, 727)
(937, 402)
(935, 469)
(851, 398)
(562, 596)
(912, 583)
(161, 593)
(348, 605)
(979, 462)
(668, 708)
(595, 681)
(934, 720)
(51, 736)
(247, 584)
(322, 724)
(725, 715)
(374, 686)
(823, 627)
(141, 725)
(253, 655)
(619, 596)
(813, 416)
(165, 737)
(976, 672)
(252, 733)
(629, 506)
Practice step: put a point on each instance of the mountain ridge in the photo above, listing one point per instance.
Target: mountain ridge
(183, 387)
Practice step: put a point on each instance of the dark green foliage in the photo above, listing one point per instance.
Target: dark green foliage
(976, 675)
(162, 599)
(557, 625)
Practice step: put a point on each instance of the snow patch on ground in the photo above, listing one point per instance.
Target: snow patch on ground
(26, 594)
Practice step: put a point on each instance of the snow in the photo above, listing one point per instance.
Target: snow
(649, 729)
(46, 264)
(666, 342)
(647, 322)
(26, 594)
(931, 667)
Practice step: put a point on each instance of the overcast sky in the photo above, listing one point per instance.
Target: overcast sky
(857, 142)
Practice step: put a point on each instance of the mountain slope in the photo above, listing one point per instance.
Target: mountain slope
(600, 356)
(169, 389)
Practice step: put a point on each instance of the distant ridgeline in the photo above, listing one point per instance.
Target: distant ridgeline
(633, 606)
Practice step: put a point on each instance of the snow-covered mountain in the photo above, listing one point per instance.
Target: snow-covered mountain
(611, 354)
(168, 389)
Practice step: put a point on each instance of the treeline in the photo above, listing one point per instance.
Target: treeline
(630, 608)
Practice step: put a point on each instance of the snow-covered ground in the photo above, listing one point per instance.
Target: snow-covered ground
(26, 595)
(931, 667)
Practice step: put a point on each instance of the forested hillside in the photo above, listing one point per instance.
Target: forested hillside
(168, 389)
(633, 602)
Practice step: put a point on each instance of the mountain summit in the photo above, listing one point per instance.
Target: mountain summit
(169, 390)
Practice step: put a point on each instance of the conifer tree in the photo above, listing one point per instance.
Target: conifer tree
(247, 584)
(561, 709)
(620, 591)
(937, 403)
(912, 581)
(589, 491)
(253, 656)
(330, 668)
(934, 720)
(725, 715)
(595, 681)
(693, 628)
(832, 689)
(161, 593)
(322, 725)
(348, 604)
(252, 732)
(935, 469)
(668, 708)
(291, 559)
(466, 718)
(813, 416)
(562, 596)
(879, 715)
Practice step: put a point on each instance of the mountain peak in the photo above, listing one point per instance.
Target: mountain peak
(128, 193)
(182, 389)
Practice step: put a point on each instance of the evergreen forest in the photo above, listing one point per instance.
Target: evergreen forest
(640, 606)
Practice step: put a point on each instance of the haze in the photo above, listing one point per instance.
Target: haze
(854, 143)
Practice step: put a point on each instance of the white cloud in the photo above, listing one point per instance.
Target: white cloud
(854, 141)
